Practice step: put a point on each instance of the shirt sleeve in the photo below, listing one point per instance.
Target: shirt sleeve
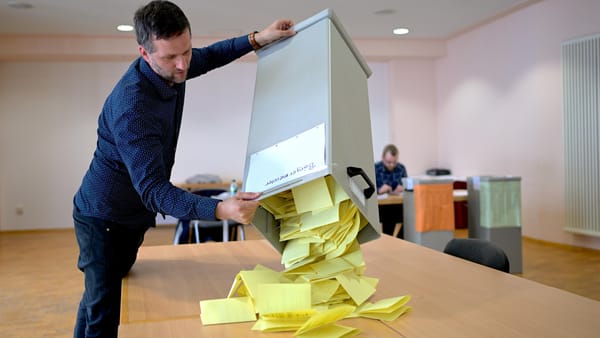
(138, 139)
(217, 55)
(378, 176)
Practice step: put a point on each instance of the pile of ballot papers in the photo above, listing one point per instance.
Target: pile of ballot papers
(323, 280)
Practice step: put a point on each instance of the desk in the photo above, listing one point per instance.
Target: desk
(388, 199)
(451, 297)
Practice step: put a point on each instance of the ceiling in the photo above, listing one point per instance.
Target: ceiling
(367, 19)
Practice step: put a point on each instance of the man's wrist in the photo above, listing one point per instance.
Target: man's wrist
(252, 38)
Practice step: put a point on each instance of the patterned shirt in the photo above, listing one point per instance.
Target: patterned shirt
(128, 180)
(391, 178)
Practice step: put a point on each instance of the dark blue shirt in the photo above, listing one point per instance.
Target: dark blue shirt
(128, 180)
(391, 178)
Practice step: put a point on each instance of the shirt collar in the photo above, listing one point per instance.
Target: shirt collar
(164, 90)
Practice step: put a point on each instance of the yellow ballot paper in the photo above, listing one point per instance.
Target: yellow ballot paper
(358, 288)
(227, 310)
(322, 291)
(331, 331)
(323, 280)
(321, 319)
(284, 321)
(312, 196)
(386, 309)
(273, 298)
(246, 282)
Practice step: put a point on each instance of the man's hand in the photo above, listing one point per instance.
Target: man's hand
(279, 29)
(384, 189)
(240, 208)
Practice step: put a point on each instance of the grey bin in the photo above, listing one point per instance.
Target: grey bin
(437, 203)
(310, 119)
(495, 214)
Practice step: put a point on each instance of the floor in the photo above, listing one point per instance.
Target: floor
(40, 286)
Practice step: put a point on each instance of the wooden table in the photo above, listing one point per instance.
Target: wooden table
(459, 195)
(450, 297)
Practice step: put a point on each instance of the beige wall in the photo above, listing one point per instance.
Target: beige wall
(48, 120)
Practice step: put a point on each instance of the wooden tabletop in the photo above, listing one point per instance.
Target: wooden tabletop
(391, 199)
(450, 297)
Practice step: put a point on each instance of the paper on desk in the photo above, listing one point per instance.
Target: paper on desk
(227, 310)
(387, 309)
(284, 321)
(332, 331)
(358, 288)
(247, 282)
(322, 291)
(321, 319)
(282, 297)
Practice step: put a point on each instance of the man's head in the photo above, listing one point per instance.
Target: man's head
(164, 38)
(389, 157)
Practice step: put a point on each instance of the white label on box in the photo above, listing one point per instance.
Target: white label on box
(288, 160)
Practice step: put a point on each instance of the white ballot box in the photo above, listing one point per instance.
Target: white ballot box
(310, 120)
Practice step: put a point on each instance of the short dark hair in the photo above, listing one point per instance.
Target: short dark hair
(158, 20)
(390, 148)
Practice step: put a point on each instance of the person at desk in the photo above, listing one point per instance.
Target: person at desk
(388, 178)
(127, 182)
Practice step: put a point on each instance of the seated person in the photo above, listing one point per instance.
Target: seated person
(388, 176)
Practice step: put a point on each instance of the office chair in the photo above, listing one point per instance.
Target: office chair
(182, 231)
(478, 251)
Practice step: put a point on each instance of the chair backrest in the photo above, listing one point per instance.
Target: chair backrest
(479, 251)
(208, 192)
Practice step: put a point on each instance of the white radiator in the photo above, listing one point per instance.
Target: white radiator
(581, 114)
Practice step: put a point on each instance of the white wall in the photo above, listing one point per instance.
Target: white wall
(412, 121)
(491, 106)
(48, 120)
(48, 114)
(499, 107)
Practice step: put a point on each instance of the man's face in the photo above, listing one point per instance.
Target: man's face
(389, 161)
(171, 57)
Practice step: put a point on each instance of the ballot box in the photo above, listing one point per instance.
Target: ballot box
(310, 121)
(428, 211)
(495, 214)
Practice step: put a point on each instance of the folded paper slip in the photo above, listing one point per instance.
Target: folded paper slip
(331, 331)
(321, 319)
(284, 321)
(227, 310)
(386, 309)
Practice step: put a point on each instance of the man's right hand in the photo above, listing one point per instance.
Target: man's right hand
(240, 208)
(279, 29)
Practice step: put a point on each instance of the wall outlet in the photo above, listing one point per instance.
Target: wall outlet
(20, 210)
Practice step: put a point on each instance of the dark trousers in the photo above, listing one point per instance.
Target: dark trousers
(389, 215)
(107, 251)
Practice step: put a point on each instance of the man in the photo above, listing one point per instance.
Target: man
(127, 182)
(388, 177)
